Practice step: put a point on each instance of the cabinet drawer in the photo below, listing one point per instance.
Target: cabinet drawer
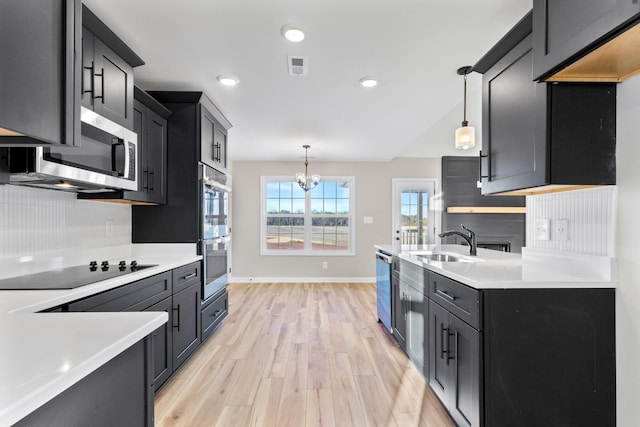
(414, 275)
(459, 299)
(213, 314)
(136, 296)
(186, 275)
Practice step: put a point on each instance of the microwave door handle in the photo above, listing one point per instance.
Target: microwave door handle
(119, 155)
(127, 160)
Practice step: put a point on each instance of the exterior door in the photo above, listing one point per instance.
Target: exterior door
(414, 215)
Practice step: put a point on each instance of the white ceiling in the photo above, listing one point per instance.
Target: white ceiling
(413, 47)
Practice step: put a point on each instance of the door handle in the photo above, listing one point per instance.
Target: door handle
(152, 179)
(101, 96)
(443, 349)
(190, 276)
(85, 78)
(445, 295)
(176, 309)
(452, 355)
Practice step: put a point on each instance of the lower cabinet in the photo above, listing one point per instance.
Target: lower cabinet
(454, 365)
(213, 313)
(176, 292)
(510, 357)
(186, 323)
(162, 345)
(399, 311)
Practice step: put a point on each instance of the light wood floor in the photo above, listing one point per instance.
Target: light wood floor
(299, 354)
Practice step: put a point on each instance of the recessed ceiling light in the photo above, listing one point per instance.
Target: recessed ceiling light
(292, 33)
(368, 82)
(228, 80)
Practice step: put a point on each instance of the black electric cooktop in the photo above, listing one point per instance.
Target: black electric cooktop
(71, 277)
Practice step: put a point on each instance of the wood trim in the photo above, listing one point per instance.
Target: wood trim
(614, 61)
(487, 209)
(545, 189)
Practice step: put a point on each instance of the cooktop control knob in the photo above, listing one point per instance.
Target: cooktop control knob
(134, 265)
(105, 265)
(122, 265)
(93, 265)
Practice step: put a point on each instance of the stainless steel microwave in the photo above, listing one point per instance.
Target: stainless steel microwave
(106, 159)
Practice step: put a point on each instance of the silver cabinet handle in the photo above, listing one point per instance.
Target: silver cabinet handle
(445, 295)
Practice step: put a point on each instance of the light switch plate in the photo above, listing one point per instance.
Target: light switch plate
(541, 229)
(368, 220)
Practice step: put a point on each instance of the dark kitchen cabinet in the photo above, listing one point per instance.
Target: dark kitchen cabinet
(107, 76)
(566, 30)
(399, 312)
(525, 357)
(213, 313)
(186, 323)
(184, 152)
(162, 345)
(213, 142)
(40, 74)
(414, 314)
(417, 317)
(454, 365)
(540, 137)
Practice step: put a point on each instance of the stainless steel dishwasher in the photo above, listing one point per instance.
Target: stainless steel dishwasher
(383, 288)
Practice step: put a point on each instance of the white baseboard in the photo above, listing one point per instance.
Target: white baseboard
(302, 279)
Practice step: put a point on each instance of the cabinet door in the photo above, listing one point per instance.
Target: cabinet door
(140, 120)
(464, 354)
(220, 147)
(40, 74)
(399, 311)
(156, 157)
(513, 156)
(207, 142)
(186, 323)
(417, 329)
(564, 28)
(88, 67)
(113, 85)
(439, 359)
(162, 345)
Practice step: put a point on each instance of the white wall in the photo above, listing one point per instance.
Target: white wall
(628, 251)
(37, 222)
(372, 198)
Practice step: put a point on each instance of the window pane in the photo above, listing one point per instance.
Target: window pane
(317, 206)
(298, 206)
(285, 190)
(297, 192)
(330, 206)
(330, 189)
(342, 206)
(272, 189)
(343, 190)
(273, 206)
(318, 192)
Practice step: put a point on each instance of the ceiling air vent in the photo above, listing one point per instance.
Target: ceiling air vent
(298, 65)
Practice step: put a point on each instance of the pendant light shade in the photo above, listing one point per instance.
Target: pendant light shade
(465, 135)
(305, 181)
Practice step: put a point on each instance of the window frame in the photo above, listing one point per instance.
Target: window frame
(308, 219)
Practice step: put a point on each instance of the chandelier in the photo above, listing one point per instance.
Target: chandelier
(303, 178)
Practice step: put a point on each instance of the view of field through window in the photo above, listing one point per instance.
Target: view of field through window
(314, 220)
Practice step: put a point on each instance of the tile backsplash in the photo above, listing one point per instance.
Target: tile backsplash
(36, 221)
(591, 216)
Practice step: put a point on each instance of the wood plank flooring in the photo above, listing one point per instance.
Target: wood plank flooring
(299, 354)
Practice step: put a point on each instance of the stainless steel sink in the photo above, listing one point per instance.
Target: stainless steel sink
(440, 257)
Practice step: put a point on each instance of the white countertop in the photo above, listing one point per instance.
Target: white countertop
(499, 270)
(43, 354)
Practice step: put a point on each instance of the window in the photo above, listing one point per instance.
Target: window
(319, 221)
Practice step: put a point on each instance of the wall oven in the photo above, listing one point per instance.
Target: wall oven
(215, 230)
(106, 159)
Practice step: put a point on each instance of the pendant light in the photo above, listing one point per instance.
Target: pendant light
(465, 135)
(303, 178)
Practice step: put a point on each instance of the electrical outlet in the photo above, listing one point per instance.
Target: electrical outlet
(108, 228)
(325, 264)
(541, 229)
(562, 230)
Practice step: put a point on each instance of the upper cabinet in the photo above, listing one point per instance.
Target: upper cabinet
(542, 137)
(39, 72)
(107, 71)
(585, 40)
(206, 124)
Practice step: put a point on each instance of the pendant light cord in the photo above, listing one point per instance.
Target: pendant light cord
(464, 118)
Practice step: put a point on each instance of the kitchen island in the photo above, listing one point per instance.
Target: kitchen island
(504, 339)
(47, 353)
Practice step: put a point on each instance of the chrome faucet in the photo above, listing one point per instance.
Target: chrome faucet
(471, 238)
